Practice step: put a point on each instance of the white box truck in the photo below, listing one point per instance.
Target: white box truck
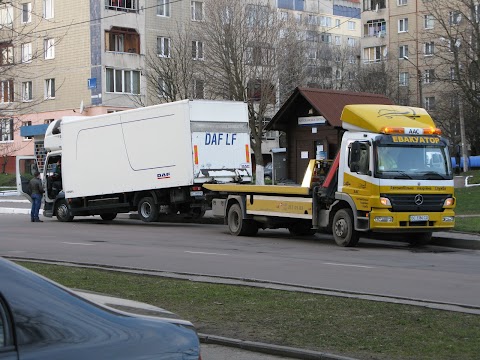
(153, 160)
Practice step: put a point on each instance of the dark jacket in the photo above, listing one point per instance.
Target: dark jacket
(36, 186)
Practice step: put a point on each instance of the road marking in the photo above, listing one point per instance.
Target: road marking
(70, 243)
(205, 253)
(14, 201)
(350, 265)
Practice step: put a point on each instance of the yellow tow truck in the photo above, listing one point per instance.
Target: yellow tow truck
(392, 174)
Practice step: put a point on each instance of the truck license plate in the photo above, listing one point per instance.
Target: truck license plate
(418, 218)
(196, 193)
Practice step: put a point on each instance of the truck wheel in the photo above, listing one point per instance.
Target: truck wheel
(239, 226)
(343, 230)
(419, 239)
(147, 210)
(301, 229)
(108, 216)
(63, 211)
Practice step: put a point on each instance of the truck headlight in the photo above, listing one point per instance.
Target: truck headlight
(448, 219)
(385, 201)
(449, 202)
(383, 219)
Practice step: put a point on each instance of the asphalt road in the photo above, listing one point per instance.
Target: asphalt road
(373, 267)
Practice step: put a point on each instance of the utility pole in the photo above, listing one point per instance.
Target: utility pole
(462, 134)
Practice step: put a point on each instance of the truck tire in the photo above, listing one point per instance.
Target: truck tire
(148, 210)
(239, 226)
(301, 228)
(344, 232)
(63, 211)
(419, 239)
(108, 216)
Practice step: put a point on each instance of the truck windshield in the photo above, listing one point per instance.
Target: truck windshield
(413, 162)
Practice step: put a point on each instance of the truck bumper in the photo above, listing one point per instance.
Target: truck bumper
(385, 220)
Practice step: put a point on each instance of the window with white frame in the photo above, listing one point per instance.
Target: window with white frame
(338, 74)
(455, 17)
(48, 9)
(27, 91)
(6, 91)
(326, 38)
(163, 88)
(298, 18)
(351, 25)
(373, 54)
(26, 13)
(6, 15)
(337, 23)
(403, 25)
(26, 50)
(429, 48)
(198, 89)
(351, 59)
(197, 50)
(325, 21)
(6, 130)
(453, 73)
(351, 42)
(163, 46)
(402, 51)
(429, 103)
(6, 53)
(260, 54)
(338, 40)
(283, 15)
(402, 2)
(311, 36)
(50, 89)
(428, 21)
(122, 5)
(49, 48)
(27, 123)
(312, 19)
(403, 79)
(122, 81)
(197, 10)
(163, 7)
(429, 76)
(311, 54)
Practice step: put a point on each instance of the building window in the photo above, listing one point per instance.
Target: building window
(26, 13)
(326, 38)
(27, 123)
(283, 15)
(261, 90)
(6, 91)
(6, 56)
(351, 42)
(311, 36)
(428, 21)
(338, 74)
(402, 2)
(120, 39)
(311, 54)
(312, 20)
(260, 55)
(48, 9)
(123, 81)
(26, 52)
(122, 5)
(453, 73)
(403, 51)
(298, 18)
(338, 40)
(429, 76)
(403, 79)
(403, 25)
(49, 48)
(325, 21)
(163, 88)
(351, 25)
(197, 11)
(198, 89)
(373, 54)
(429, 103)
(6, 15)
(454, 17)
(163, 8)
(163, 47)
(50, 89)
(197, 50)
(6, 130)
(27, 91)
(298, 5)
(337, 23)
(429, 48)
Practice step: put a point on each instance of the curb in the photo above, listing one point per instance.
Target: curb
(467, 241)
(270, 349)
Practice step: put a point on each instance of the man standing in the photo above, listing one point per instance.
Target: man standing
(36, 188)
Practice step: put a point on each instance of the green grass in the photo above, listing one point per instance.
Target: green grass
(476, 176)
(468, 224)
(467, 200)
(8, 180)
(351, 327)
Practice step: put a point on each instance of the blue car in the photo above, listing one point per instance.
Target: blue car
(40, 319)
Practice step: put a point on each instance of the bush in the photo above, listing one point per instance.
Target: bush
(8, 180)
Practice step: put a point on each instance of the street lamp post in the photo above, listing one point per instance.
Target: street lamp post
(419, 79)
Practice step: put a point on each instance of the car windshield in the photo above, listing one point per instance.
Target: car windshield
(413, 162)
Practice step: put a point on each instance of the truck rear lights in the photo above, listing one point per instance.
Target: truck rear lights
(449, 202)
(385, 201)
(383, 219)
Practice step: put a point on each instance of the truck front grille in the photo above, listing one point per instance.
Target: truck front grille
(417, 202)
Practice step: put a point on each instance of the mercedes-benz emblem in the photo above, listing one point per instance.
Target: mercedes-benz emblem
(418, 199)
